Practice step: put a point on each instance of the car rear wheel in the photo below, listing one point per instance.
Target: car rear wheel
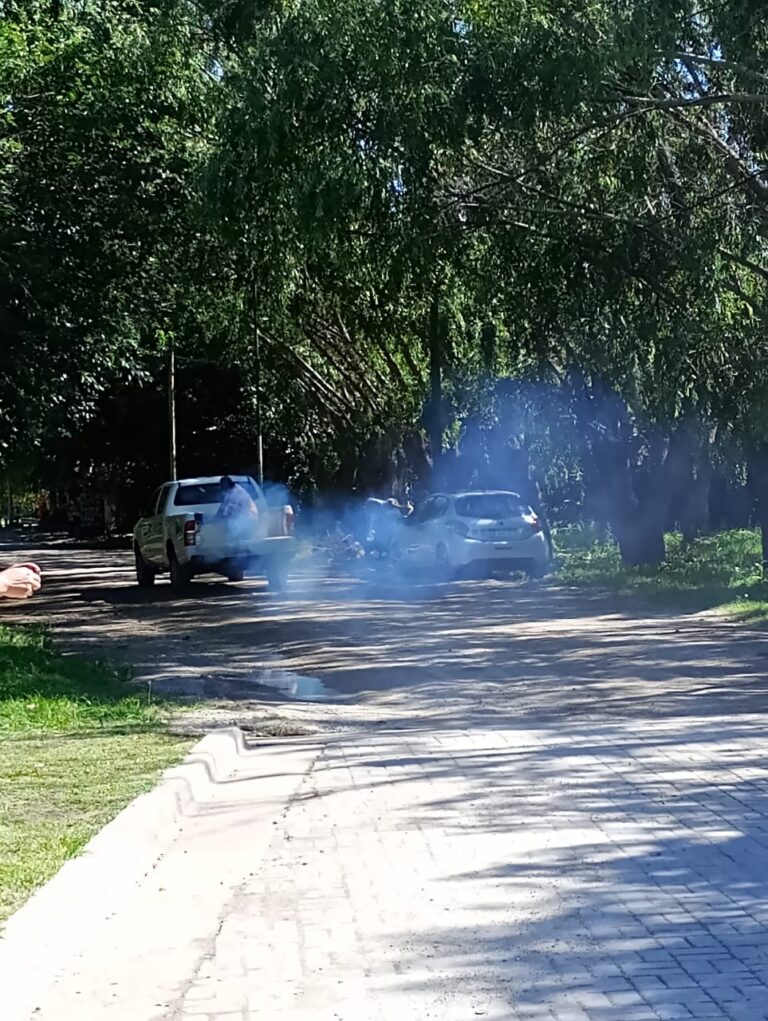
(443, 561)
(181, 575)
(145, 575)
(536, 569)
(235, 574)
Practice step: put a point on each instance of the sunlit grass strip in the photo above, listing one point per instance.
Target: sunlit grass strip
(58, 790)
(721, 571)
(41, 690)
(77, 744)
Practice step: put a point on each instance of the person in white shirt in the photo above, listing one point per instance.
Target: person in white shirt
(235, 501)
(238, 509)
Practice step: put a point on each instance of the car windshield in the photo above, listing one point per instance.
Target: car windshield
(205, 492)
(491, 505)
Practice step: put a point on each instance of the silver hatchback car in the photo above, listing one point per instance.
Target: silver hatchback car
(492, 529)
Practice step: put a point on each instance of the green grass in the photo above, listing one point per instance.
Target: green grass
(721, 571)
(76, 746)
(42, 690)
(57, 791)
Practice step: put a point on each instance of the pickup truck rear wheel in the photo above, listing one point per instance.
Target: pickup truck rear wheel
(181, 575)
(145, 575)
(277, 577)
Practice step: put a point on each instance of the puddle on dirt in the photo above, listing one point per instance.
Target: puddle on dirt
(295, 686)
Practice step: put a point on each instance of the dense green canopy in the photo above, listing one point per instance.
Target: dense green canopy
(475, 237)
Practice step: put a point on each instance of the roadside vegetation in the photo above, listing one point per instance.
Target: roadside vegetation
(721, 571)
(76, 746)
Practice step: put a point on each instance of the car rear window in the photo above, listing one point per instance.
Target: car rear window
(491, 505)
(207, 492)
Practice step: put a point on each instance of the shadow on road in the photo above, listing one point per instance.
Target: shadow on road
(132, 595)
(471, 651)
(626, 875)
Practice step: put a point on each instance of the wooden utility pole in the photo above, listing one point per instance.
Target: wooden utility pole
(435, 425)
(257, 373)
(172, 407)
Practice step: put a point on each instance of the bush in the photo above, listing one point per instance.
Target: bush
(711, 571)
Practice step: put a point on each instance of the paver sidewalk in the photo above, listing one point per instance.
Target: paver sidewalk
(138, 963)
(611, 871)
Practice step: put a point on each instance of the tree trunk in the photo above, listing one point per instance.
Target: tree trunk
(639, 483)
(635, 500)
(730, 502)
(758, 483)
(640, 536)
(693, 512)
(690, 472)
(417, 457)
(433, 412)
(377, 472)
(638, 525)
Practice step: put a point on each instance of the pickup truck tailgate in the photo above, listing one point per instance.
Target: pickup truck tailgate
(219, 539)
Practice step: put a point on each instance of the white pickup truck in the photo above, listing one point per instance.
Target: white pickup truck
(185, 535)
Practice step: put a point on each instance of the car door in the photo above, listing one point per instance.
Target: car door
(433, 529)
(438, 534)
(415, 533)
(144, 526)
(426, 530)
(153, 531)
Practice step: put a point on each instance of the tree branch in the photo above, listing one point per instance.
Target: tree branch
(734, 164)
(646, 103)
(578, 207)
(753, 267)
(315, 380)
(735, 288)
(719, 63)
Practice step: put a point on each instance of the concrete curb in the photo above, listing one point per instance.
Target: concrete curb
(50, 931)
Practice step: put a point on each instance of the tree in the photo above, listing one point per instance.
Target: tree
(103, 129)
(434, 204)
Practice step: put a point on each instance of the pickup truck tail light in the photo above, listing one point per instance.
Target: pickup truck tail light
(190, 533)
(280, 520)
(288, 520)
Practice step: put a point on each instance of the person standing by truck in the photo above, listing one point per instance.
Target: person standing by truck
(237, 507)
(235, 501)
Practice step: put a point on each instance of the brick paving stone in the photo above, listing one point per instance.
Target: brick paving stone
(438, 875)
(598, 871)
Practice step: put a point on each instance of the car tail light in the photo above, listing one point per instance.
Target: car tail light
(190, 533)
(459, 528)
(535, 523)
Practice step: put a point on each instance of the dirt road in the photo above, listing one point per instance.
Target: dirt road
(477, 651)
(521, 803)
